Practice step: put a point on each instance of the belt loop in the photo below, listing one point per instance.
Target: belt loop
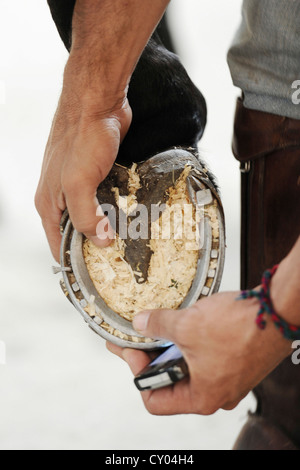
(245, 167)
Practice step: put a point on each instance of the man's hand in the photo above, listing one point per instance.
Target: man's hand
(93, 114)
(226, 353)
(82, 147)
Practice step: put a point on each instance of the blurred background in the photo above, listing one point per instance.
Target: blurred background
(61, 388)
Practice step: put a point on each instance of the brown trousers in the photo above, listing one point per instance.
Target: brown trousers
(268, 148)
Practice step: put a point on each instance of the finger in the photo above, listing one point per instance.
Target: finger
(85, 212)
(159, 324)
(93, 155)
(172, 400)
(231, 405)
(114, 349)
(137, 360)
(52, 230)
(50, 214)
(175, 399)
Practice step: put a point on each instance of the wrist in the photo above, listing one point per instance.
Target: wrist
(90, 89)
(285, 287)
(108, 39)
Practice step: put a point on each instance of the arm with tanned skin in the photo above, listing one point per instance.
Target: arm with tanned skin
(93, 115)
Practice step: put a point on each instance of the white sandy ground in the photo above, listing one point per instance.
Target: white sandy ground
(60, 388)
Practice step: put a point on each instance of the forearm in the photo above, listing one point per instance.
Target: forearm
(108, 38)
(285, 290)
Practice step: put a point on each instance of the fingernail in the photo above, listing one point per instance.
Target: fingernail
(140, 322)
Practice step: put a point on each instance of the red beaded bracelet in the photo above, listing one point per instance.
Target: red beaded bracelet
(290, 332)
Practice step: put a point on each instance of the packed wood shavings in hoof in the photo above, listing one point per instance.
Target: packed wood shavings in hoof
(173, 263)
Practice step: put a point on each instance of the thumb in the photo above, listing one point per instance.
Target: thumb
(87, 217)
(85, 212)
(159, 324)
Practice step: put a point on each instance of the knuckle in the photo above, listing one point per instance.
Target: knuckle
(37, 203)
(86, 227)
(209, 410)
(230, 406)
(155, 407)
(40, 203)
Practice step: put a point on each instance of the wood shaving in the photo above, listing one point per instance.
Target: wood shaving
(172, 266)
(212, 212)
